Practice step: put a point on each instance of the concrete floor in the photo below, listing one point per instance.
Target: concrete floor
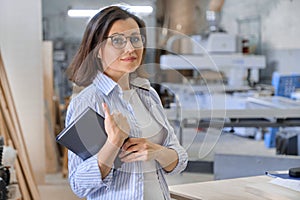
(199, 146)
(58, 188)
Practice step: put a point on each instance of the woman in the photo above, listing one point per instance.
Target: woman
(107, 64)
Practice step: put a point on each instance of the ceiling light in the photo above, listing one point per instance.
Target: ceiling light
(139, 10)
(81, 13)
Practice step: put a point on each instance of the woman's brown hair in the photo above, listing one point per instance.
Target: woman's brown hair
(86, 64)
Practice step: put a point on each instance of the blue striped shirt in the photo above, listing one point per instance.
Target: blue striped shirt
(125, 183)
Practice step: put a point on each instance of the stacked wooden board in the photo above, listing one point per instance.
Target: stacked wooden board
(12, 132)
(50, 111)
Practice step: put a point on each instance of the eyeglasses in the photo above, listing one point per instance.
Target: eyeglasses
(119, 41)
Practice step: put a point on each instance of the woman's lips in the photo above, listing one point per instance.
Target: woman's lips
(129, 59)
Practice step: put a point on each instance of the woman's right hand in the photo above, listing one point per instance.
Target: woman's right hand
(116, 126)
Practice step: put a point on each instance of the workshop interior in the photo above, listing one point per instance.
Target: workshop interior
(227, 73)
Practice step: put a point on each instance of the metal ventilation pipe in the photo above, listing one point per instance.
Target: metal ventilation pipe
(184, 17)
(213, 15)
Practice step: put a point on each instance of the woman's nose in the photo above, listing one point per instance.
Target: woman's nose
(129, 47)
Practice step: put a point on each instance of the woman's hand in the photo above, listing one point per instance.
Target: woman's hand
(139, 149)
(116, 126)
(117, 129)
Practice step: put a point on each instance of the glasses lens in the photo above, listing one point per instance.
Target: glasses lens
(118, 41)
(137, 41)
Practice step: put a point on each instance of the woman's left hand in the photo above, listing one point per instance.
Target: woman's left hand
(139, 149)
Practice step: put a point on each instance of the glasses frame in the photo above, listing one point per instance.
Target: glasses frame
(130, 39)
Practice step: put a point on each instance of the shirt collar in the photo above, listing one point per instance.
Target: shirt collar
(140, 83)
(106, 84)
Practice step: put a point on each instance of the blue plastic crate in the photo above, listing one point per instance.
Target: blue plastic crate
(285, 85)
(270, 137)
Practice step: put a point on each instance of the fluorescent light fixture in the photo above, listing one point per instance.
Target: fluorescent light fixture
(139, 10)
(81, 13)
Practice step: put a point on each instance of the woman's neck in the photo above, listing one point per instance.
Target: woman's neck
(121, 80)
(124, 82)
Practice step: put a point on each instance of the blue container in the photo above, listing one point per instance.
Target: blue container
(270, 138)
(285, 85)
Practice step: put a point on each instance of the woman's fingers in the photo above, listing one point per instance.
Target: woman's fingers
(135, 156)
(130, 150)
(139, 149)
(116, 119)
(116, 126)
(121, 122)
(132, 142)
(106, 110)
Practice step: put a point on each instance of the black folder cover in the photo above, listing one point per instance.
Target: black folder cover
(86, 135)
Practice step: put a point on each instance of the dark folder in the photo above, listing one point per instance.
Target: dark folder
(86, 135)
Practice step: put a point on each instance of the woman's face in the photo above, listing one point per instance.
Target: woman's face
(122, 52)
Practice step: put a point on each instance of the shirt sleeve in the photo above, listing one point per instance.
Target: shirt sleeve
(171, 140)
(84, 176)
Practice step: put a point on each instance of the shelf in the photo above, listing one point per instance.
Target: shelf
(214, 61)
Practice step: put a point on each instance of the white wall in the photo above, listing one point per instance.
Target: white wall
(280, 20)
(280, 30)
(21, 45)
(282, 27)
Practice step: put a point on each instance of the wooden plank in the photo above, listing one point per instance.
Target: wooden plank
(14, 127)
(21, 181)
(52, 152)
(20, 174)
(48, 80)
(3, 129)
(58, 119)
(65, 163)
(7, 97)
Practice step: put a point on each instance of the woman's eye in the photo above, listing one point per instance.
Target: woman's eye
(118, 40)
(135, 39)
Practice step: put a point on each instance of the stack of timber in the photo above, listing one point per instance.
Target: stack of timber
(11, 130)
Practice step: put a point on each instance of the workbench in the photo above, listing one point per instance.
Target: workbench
(219, 110)
(255, 187)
